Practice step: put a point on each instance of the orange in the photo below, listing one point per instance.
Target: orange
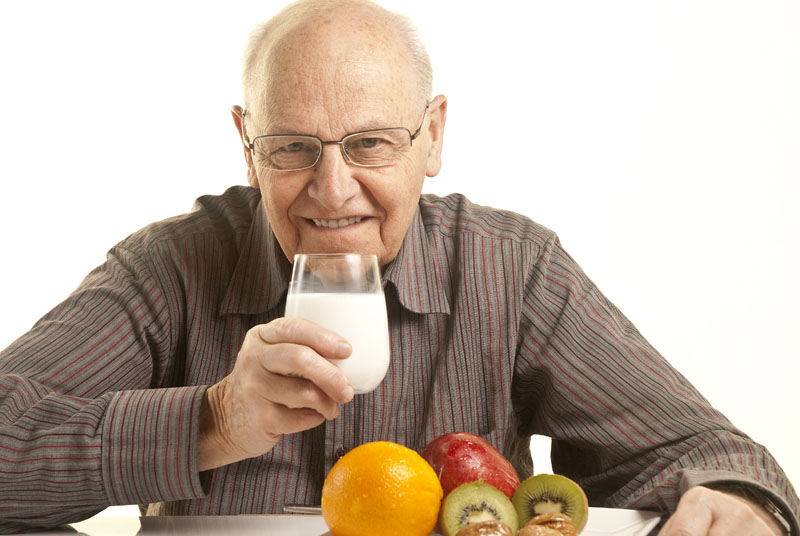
(381, 488)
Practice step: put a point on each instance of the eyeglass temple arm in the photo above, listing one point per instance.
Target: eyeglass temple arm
(244, 133)
(413, 136)
(419, 129)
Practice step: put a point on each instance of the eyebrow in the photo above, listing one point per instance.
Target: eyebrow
(280, 129)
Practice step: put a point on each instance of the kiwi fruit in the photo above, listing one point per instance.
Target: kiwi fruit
(545, 494)
(474, 502)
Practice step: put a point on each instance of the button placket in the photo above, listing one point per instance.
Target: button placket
(335, 446)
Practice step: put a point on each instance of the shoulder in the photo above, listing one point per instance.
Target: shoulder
(454, 215)
(223, 219)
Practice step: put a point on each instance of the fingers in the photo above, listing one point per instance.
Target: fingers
(299, 331)
(298, 393)
(291, 421)
(704, 512)
(289, 360)
(295, 348)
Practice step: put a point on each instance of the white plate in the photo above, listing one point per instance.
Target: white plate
(617, 522)
(602, 522)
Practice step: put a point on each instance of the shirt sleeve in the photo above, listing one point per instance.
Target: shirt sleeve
(630, 429)
(82, 424)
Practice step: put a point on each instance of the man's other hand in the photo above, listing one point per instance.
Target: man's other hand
(705, 512)
(280, 384)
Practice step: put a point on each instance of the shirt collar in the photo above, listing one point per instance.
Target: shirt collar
(262, 272)
(419, 272)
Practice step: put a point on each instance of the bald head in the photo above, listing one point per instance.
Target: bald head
(330, 32)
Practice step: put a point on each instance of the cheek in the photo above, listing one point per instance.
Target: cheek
(280, 192)
(397, 188)
(400, 197)
(278, 198)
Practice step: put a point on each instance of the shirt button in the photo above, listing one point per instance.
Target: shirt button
(339, 452)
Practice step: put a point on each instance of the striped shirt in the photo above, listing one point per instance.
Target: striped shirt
(494, 330)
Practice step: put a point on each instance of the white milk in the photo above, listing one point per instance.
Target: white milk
(361, 320)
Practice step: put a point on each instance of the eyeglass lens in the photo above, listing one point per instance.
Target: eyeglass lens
(373, 148)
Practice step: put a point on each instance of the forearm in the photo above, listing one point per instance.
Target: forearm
(628, 426)
(50, 456)
(150, 445)
(713, 459)
(657, 478)
(62, 458)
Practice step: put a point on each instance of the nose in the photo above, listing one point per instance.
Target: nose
(333, 183)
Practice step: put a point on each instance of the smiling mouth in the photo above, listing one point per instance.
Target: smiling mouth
(337, 224)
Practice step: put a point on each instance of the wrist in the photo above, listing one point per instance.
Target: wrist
(212, 449)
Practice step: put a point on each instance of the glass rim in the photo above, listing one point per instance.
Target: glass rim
(343, 255)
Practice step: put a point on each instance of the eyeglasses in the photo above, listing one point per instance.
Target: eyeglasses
(369, 148)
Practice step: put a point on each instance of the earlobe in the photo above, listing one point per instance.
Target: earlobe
(437, 111)
(238, 120)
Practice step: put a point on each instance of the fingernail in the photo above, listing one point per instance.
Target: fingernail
(347, 393)
(343, 349)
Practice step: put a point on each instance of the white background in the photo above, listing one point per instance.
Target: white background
(661, 140)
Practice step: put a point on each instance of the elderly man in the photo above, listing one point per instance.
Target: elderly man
(169, 378)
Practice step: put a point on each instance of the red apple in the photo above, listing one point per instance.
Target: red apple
(460, 457)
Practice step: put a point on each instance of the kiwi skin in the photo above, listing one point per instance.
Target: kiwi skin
(542, 494)
(473, 502)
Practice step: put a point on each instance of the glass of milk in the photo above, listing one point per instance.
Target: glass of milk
(343, 292)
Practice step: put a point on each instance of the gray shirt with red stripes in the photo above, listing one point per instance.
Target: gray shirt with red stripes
(494, 330)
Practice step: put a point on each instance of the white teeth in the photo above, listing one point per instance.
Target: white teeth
(335, 224)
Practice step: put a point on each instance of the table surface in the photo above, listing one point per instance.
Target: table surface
(602, 522)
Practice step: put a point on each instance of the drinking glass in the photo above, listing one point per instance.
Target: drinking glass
(343, 292)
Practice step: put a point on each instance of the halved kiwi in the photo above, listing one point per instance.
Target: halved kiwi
(544, 494)
(474, 502)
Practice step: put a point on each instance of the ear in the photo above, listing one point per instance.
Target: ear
(437, 111)
(238, 120)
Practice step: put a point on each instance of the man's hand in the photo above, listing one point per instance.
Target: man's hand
(280, 384)
(705, 512)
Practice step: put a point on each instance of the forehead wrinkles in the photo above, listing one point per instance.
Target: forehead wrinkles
(351, 88)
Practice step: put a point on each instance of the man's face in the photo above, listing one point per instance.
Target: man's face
(329, 92)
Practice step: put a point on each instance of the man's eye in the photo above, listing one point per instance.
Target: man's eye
(294, 147)
(369, 143)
